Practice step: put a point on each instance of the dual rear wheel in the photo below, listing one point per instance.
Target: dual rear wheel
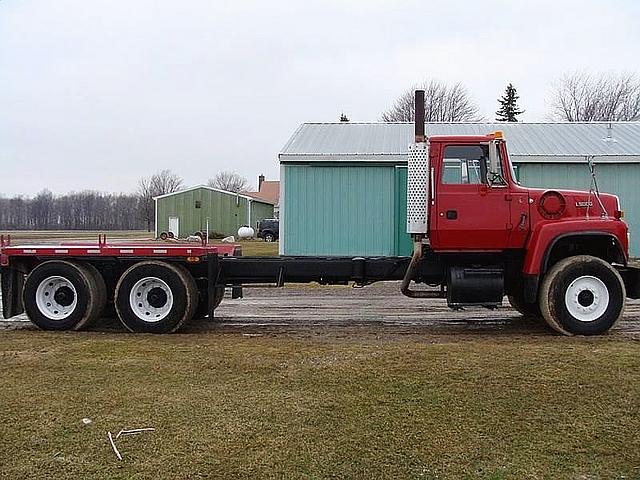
(150, 296)
(63, 295)
(155, 297)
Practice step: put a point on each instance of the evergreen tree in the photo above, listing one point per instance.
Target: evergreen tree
(509, 111)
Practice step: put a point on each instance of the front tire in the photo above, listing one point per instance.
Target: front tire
(582, 295)
(63, 295)
(155, 297)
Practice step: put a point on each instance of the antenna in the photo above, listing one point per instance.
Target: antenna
(609, 138)
(593, 186)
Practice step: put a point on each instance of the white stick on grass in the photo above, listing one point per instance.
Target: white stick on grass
(113, 445)
(133, 431)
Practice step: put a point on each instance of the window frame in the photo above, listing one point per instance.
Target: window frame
(465, 162)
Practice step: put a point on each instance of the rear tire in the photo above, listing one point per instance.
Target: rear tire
(155, 297)
(269, 237)
(582, 295)
(63, 295)
(100, 287)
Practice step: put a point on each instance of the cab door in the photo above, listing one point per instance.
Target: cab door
(470, 213)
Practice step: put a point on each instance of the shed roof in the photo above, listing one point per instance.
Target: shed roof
(206, 187)
(533, 142)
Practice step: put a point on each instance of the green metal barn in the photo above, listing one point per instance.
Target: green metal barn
(188, 211)
(343, 185)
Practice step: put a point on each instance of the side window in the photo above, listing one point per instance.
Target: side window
(464, 164)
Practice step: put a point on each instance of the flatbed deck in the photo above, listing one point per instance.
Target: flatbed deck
(102, 249)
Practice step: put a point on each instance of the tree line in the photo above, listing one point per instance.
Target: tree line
(91, 210)
(86, 210)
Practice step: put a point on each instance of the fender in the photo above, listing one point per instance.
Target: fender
(546, 234)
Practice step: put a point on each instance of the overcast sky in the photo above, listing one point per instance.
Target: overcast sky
(95, 94)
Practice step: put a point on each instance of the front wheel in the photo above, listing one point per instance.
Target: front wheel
(582, 295)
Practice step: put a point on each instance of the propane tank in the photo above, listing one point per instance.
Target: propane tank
(245, 232)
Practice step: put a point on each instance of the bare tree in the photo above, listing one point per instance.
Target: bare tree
(229, 181)
(157, 184)
(442, 103)
(605, 97)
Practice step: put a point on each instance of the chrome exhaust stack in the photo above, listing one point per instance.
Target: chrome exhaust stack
(417, 198)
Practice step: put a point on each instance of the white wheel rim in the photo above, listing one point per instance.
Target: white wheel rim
(151, 299)
(587, 298)
(56, 297)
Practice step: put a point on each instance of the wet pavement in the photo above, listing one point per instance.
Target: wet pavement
(377, 310)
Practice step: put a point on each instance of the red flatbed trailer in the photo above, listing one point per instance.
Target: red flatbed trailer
(110, 250)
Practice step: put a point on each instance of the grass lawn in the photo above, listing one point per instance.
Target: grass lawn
(230, 406)
(258, 248)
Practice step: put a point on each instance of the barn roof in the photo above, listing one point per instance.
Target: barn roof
(527, 142)
(206, 187)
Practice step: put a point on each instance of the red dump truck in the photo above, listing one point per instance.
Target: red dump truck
(478, 235)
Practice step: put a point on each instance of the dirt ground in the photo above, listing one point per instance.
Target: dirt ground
(378, 311)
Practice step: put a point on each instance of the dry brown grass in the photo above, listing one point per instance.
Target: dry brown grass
(229, 406)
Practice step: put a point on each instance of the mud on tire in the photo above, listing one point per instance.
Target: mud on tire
(582, 295)
(155, 297)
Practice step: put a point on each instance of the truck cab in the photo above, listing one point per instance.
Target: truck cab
(557, 254)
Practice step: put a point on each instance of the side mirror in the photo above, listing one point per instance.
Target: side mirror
(493, 157)
(494, 172)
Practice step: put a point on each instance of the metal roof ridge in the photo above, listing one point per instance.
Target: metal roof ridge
(207, 187)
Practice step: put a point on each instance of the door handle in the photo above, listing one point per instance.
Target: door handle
(452, 214)
(523, 221)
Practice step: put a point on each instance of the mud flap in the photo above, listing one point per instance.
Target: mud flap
(631, 278)
(12, 282)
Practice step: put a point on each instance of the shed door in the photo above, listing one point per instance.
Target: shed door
(174, 226)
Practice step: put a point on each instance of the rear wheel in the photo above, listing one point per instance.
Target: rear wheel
(62, 295)
(582, 295)
(155, 297)
(100, 287)
(269, 237)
